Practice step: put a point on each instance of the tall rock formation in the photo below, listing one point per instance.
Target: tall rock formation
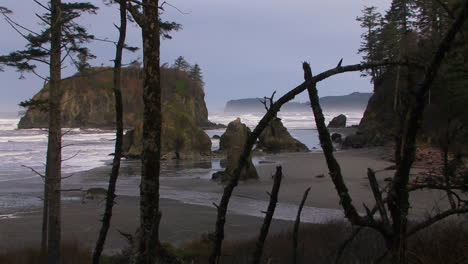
(276, 138)
(88, 100)
(232, 143)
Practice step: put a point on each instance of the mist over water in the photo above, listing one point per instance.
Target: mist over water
(301, 125)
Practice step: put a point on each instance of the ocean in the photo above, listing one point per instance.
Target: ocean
(87, 159)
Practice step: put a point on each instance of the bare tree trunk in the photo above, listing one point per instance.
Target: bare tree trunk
(269, 215)
(296, 226)
(149, 189)
(119, 135)
(54, 147)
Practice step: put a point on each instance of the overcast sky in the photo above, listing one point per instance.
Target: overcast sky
(246, 48)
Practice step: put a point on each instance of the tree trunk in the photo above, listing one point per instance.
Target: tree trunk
(54, 147)
(119, 135)
(149, 189)
(45, 216)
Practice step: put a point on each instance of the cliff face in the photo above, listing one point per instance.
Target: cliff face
(445, 112)
(88, 100)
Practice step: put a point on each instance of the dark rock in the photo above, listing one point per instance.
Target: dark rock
(320, 176)
(211, 125)
(275, 138)
(232, 143)
(354, 141)
(336, 137)
(219, 176)
(338, 122)
(216, 137)
(180, 139)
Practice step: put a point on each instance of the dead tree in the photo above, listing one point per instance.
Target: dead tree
(110, 197)
(252, 138)
(257, 256)
(396, 232)
(295, 233)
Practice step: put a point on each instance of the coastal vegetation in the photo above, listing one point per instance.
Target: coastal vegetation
(415, 55)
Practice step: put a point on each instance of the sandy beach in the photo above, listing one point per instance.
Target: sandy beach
(185, 219)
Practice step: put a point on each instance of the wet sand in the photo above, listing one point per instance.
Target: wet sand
(186, 220)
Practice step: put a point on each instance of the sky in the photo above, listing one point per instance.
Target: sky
(245, 48)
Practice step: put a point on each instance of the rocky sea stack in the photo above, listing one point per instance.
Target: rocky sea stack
(276, 138)
(232, 143)
(88, 100)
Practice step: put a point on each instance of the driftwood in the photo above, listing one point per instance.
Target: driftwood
(295, 233)
(257, 256)
(110, 197)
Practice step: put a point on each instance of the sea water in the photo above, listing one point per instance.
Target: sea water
(86, 155)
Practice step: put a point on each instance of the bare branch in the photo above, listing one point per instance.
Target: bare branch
(166, 3)
(378, 196)
(43, 6)
(72, 156)
(33, 170)
(434, 219)
(296, 225)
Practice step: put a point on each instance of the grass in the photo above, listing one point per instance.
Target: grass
(444, 243)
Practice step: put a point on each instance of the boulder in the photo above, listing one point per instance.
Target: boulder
(337, 122)
(336, 138)
(275, 138)
(355, 141)
(232, 143)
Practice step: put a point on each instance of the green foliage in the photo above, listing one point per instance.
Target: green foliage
(37, 47)
(181, 87)
(166, 27)
(39, 104)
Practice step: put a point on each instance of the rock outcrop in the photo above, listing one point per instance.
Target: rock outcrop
(338, 122)
(276, 138)
(336, 138)
(88, 100)
(232, 143)
(180, 139)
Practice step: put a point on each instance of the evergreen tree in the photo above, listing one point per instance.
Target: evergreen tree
(196, 74)
(61, 35)
(371, 22)
(402, 14)
(181, 64)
